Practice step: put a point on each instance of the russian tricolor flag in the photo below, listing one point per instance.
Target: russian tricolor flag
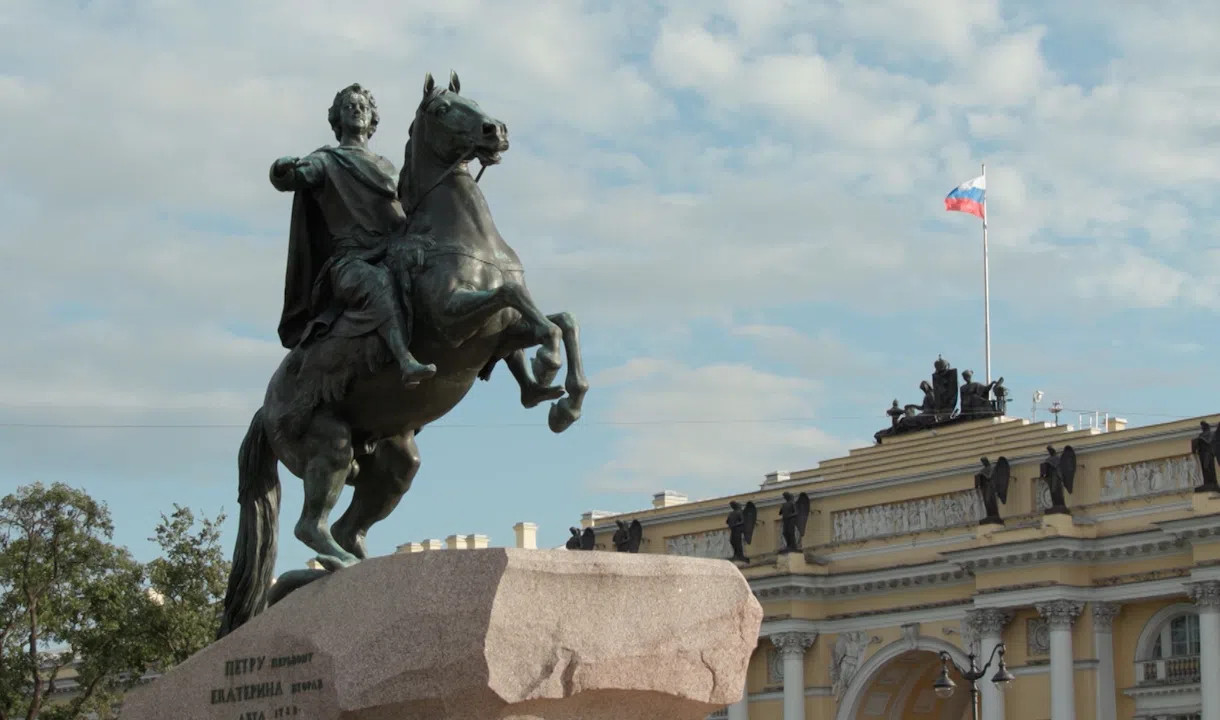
(969, 197)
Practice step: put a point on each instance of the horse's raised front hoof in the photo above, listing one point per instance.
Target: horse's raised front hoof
(335, 564)
(562, 415)
(535, 395)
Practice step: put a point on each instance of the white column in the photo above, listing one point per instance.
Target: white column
(989, 624)
(740, 709)
(792, 647)
(1060, 616)
(1103, 649)
(1207, 598)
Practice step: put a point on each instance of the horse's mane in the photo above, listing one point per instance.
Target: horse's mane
(404, 174)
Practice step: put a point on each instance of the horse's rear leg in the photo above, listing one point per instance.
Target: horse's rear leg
(384, 478)
(567, 410)
(328, 447)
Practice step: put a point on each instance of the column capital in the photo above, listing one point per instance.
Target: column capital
(1104, 614)
(793, 643)
(1060, 614)
(988, 621)
(1206, 594)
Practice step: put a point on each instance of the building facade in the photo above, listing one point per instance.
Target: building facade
(1109, 612)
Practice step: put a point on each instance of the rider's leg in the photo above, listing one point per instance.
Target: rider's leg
(371, 288)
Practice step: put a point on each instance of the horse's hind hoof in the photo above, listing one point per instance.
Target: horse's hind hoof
(562, 416)
(334, 564)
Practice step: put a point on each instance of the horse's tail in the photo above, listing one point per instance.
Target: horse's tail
(258, 493)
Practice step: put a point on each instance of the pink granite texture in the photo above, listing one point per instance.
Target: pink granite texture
(472, 634)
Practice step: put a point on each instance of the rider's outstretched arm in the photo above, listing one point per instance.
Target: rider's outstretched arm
(291, 174)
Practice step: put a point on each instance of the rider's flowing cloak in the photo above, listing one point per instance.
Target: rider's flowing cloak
(351, 174)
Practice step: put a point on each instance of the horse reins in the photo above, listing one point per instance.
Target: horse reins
(464, 157)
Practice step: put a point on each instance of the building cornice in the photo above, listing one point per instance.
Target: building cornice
(1192, 529)
(813, 486)
(810, 587)
(1060, 549)
(871, 621)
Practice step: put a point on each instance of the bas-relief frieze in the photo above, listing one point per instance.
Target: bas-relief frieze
(708, 544)
(1150, 477)
(1141, 479)
(909, 516)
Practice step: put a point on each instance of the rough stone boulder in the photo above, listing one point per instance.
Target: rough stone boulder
(472, 634)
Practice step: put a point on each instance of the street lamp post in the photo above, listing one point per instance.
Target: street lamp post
(943, 687)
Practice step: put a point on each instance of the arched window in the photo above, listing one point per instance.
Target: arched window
(1178, 638)
(1168, 650)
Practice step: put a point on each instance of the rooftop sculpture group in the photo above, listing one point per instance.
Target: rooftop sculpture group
(399, 293)
(940, 402)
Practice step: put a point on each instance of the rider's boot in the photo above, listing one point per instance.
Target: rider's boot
(413, 371)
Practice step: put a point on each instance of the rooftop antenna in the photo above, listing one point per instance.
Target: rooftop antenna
(1056, 408)
(1033, 413)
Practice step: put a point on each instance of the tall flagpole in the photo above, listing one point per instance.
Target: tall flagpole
(986, 286)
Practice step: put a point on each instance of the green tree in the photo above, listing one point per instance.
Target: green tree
(64, 589)
(188, 584)
(71, 598)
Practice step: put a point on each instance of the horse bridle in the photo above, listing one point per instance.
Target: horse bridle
(464, 157)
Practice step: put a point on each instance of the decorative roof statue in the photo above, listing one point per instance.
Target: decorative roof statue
(992, 483)
(1059, 472)
(1206, 447)
(627, 538)
(940, 398)
(741, 524)
(398, 296)
(976, 397)
(573, 542)
(795, 515)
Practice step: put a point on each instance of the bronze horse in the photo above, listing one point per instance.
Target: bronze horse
(472, 309)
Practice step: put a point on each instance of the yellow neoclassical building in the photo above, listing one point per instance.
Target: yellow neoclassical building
(1109, 612)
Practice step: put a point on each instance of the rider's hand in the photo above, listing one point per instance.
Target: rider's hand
(283, 165)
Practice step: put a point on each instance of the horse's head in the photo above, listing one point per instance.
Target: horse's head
(453, 128)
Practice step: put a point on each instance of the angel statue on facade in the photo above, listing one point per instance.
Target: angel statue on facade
(992, 483)
(795, 515)
(627, 538)
(1059, 472)
(741, 523)
(579, 540)
(1206, 447)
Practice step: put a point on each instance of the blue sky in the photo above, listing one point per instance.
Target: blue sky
(740, 200)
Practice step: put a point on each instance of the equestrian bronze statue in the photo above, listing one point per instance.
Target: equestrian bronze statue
(399, 294)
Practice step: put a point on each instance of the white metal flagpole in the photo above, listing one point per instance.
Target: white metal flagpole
(986, 287)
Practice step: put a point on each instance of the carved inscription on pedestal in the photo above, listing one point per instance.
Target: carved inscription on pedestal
(709, 544)
(910, 516)
(263, 687)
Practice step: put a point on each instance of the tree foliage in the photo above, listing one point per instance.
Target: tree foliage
(74, 603)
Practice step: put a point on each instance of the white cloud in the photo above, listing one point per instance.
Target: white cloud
(673, 168)
(711, 429)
